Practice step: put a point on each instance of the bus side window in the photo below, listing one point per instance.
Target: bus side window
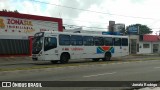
(76, 40)
(64, 39)
(88, 41)
(117, 41)
(108, 41)
(50, 43)
(124, 42)
(98, 41)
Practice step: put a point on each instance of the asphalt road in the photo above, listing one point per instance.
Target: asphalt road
(148, 70)
(124, 71)
(20, 63)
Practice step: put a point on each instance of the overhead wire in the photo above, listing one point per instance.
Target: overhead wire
(83, 26)
(93, 12)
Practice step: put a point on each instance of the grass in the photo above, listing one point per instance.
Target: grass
(52, 66)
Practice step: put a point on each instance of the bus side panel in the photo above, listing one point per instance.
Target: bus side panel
(93, 52)
(125, 50)
(51, 54)
(81, 52)
(118, 51)
(89, 52)
(64, 49)
(76, 52)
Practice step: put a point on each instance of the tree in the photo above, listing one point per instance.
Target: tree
(143, 29)
(15, 11)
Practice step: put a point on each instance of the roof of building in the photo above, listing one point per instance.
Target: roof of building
(151, 38)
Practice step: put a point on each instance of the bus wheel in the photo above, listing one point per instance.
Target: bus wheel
(95, 59)
(64, 58)
(107, 57)
(54, 62)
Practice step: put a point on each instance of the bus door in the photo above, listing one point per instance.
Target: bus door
(50, 48)
(125, 47)
(117, 47)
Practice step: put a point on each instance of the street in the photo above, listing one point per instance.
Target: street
(124, 71)
(138, 70)
(23, 63)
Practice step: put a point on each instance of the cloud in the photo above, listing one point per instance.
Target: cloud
(117, 10)
(70, 13)
(5, 4)
(23, 6)
(122, 11)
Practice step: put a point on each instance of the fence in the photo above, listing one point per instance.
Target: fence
(15, 46)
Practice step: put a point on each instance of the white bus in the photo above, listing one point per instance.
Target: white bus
(64, 46)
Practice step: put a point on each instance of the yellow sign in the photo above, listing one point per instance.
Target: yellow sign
(19, 22)
(2, 23)
(29, 31)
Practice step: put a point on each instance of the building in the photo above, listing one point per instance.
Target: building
(119, 29)
(149, 44)
(133, 44)
(144, 44)
(17, 30)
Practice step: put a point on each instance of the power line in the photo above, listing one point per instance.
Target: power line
(59, 12)
(155, 28)
(84, 26)
(93, 11)
(67, 18)
(71, 25)
(85, 21)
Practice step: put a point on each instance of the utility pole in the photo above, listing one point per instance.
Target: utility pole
(158, 32)
(159, 42)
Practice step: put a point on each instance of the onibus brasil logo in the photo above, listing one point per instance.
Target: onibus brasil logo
(21, 84)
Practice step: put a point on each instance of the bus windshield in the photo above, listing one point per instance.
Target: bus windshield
(37, 45)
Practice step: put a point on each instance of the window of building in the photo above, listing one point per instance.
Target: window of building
(88, 41)
(64, 40)
(146, 46)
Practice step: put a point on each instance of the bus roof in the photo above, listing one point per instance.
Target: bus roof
(86, 34)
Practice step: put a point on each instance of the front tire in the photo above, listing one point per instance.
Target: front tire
(64, 58)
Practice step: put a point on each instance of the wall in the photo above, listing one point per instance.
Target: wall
(23, 27)
(25, 24)
(143, 50)
(15, 45)
(133, 46)
(16, 30)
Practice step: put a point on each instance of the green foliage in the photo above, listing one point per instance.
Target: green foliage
(143, 29)
(5, 10)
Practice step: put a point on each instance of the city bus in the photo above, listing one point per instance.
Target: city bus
(64, 46)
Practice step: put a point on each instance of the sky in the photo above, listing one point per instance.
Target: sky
(92, 13)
